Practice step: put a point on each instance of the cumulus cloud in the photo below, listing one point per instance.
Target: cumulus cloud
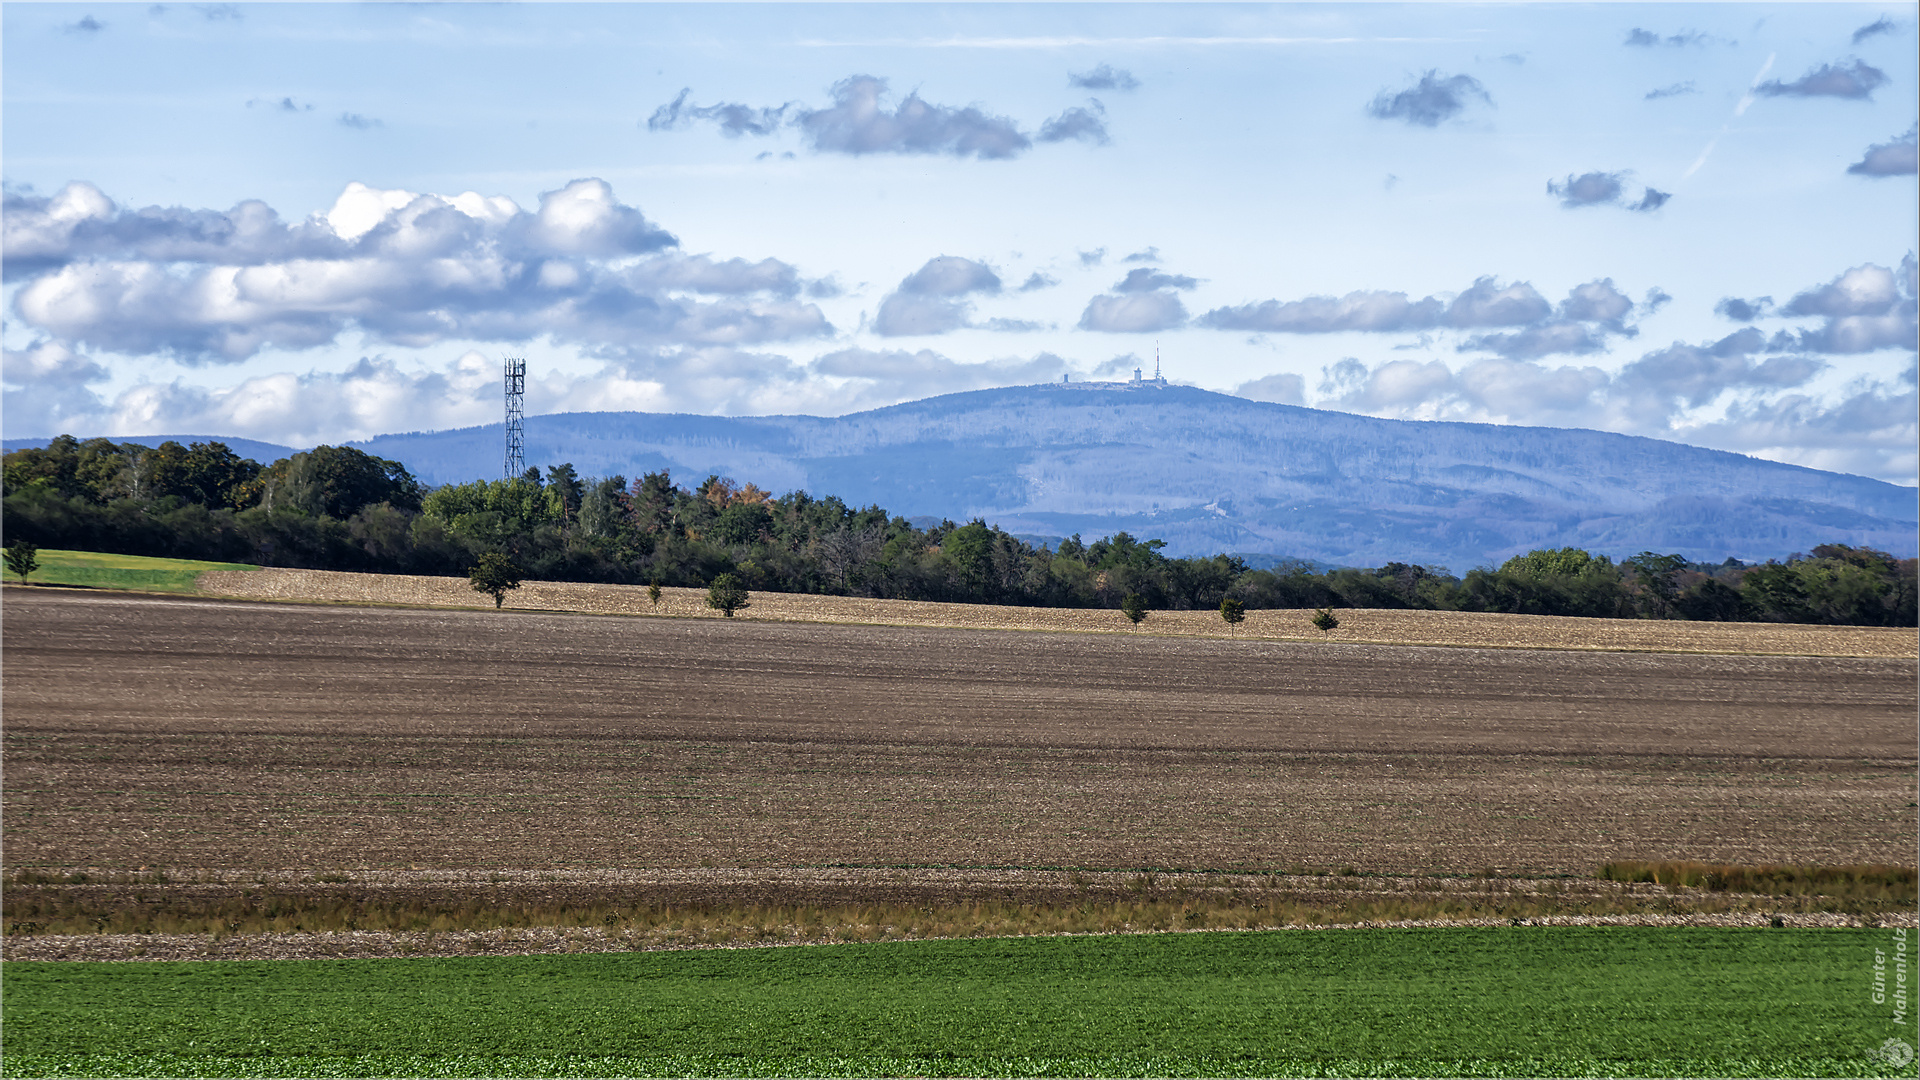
(1104, 77)
(1746, 391)
(1433, 99)
(1533, 327)
(1587, 189)
(1603, 189)
(859, 122)
(1134, 313)
(1036, 281)
(1882, 25)
(1146, 279)
(1739, 310)
(377, 395)
(884, 377)
(1088, 125)
(1650, 200)
(1486, 303)
(1146, 301)
(1092, 258)
(1284, 389)
(49, 384)
(1675, 90)
(1598, 302)
(931, 299)
(1647, 396)
(1697, 374)
(1864, 309)
(950, 275)
(358, 122)
(87, 25)
(1151, 254)
(1856, 81)
(1895, 157)
(1871, 431)
(209, 286)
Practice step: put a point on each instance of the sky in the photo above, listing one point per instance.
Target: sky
(316, 223)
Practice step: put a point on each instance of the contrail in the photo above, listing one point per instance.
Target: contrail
(1739, 110)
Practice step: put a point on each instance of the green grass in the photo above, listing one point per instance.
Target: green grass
(102, 571)
(1519, 1001)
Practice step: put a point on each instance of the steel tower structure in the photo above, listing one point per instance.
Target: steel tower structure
(516, 417)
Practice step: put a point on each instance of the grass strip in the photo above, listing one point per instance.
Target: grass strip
(1875, 880)
(58, 910)
(1518, 1001)
(98, 570)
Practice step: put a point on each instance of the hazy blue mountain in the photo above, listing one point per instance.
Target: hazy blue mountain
(1209, 472)
(263, 452)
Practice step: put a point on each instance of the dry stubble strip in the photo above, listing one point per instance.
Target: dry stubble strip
(1368, 626)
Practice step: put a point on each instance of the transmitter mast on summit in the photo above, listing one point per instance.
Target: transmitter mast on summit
(516, 417)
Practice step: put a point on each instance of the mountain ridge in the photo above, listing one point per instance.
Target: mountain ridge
(1208, 472)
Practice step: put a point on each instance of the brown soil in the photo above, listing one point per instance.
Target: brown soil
(1363, 626)
(225, 740)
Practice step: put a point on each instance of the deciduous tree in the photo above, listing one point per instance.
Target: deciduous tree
(1324, 622)
(494, 576)
(727, 595)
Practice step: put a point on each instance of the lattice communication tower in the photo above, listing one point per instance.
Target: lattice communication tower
(516, 417)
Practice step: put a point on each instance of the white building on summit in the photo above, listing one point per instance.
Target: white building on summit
(1138, 382)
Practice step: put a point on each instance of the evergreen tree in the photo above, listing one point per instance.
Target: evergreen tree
(1233, 611)
(22, 558)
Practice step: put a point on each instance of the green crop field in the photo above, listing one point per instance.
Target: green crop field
(1518, 1001)
(102, 571)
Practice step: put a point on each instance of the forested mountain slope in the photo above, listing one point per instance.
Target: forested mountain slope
(1210, 472)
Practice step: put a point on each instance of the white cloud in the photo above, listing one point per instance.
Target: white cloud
(1284, 389)
(1726, 394)
(1134, 313)
(406, 268)
(931, 299)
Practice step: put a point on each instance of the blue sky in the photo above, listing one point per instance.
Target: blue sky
(306, 223)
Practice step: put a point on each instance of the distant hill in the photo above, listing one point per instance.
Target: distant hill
(264, 452)
(1208, 473)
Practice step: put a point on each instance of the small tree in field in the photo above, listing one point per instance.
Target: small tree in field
(1233, 611)
(1134, 607)
(1324, 622)
(726, 595)
(653, 591)
(494, 576)
(22, 558)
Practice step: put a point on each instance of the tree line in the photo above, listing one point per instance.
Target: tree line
(337, 508)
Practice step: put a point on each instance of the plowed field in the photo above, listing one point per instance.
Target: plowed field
(153, 732)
